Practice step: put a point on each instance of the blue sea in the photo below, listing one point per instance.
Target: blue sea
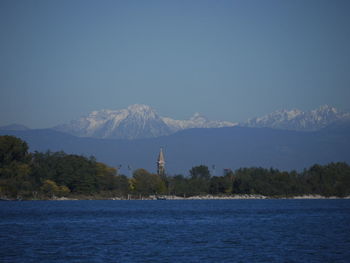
(175, 231)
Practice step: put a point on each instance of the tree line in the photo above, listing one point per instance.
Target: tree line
(57, 174)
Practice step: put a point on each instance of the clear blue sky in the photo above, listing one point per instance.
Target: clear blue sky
(229, 60)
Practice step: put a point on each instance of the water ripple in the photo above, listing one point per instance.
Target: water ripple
(176, 231)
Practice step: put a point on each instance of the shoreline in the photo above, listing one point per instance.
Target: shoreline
(174, 197)
(250, 197)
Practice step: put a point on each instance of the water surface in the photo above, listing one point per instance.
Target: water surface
(175, 231)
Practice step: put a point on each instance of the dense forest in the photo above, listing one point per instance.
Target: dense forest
(25, 175)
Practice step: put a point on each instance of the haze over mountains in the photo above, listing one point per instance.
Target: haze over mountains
(14, 127)
(142, 121)
(300, 120)
(135, 122)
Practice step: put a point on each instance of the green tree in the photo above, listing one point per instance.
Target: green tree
(179, 185)
(63, 191)
(49, 188)
(14, 167)
(220, 185)
(199, 180)
(146, 183)
(12, 149)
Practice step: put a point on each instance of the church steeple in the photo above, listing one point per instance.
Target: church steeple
(161, 163)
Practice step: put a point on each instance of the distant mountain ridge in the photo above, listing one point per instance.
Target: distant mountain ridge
(135, 122)
(142, 121)
(299, 120)
(14, 127)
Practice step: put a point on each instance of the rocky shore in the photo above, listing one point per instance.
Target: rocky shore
(229, 197)
(233, 197)
(174, 197)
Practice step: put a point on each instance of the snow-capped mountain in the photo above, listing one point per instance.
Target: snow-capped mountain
(142, 121)
(196, 121)
(299, 120)
(137, 121)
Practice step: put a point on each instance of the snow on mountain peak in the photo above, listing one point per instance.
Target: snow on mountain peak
(142, 111)
(142, 121)
(325, 109)
(198, 117)
(136, 121)
(140, 108)
(299, 120)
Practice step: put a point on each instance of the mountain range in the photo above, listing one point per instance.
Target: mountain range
(298, 120)
(142, 121)
(135, 122)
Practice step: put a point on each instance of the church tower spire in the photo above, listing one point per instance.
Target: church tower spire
(161, 163)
